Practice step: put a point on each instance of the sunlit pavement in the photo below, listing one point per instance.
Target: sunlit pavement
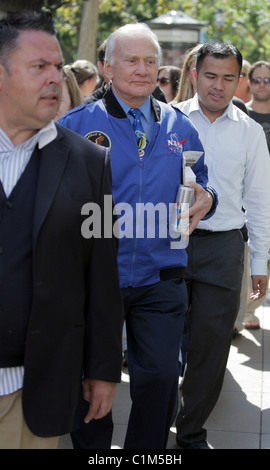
(241, 418)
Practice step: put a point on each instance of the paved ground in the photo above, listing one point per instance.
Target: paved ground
(241, 418)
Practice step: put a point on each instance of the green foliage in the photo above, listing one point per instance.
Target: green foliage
(67, 21)
(245, 23)
(114, 13)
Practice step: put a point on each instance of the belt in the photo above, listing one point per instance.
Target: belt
(200, 231)
(171, 273)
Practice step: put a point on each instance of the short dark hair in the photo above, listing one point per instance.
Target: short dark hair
(13, 23)
(257, 64)
(101, 51)
(219, 50)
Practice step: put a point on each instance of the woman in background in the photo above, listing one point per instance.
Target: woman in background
(71, 95)
(86, 75)
(187, 85)
(168, 81)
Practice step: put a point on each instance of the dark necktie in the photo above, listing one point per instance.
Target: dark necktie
(138, 129)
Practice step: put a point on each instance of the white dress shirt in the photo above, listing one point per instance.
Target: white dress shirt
(13, 161)
(238, 161)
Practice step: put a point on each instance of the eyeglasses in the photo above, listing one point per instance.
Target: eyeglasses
(163, 80)
(258, 80)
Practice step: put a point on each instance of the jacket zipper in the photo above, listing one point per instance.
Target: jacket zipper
(136, 241)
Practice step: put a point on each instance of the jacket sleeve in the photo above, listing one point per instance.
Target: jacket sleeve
(200, 168)
(104, 310)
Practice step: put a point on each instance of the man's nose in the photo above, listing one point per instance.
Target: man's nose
(218, 83)
(55, 75)
(141, 67)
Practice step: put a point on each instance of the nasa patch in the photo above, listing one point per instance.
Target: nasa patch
(175, 144)
(100, 138)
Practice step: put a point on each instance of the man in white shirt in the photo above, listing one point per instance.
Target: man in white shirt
(239, 168)
(258, 108)
(259, 105)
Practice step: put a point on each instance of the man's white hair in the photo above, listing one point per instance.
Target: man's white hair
(131, 30)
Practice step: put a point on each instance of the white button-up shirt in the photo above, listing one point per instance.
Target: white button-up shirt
(238, 163)
(13, 161)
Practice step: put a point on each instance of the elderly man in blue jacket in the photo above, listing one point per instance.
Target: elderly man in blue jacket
(147, 158)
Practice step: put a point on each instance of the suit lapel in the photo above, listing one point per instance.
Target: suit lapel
(53, 159)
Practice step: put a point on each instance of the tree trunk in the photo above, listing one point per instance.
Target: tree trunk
(88, 30)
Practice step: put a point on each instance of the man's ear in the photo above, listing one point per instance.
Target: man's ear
(194, 71)
(108, 70)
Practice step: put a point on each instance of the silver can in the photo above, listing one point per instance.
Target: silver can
(184, 200)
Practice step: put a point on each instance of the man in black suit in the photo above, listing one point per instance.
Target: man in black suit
(60, 303)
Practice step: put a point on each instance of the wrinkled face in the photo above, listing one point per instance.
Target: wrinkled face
(260, 89)
(30, 90)
(217, 81)
(134, 69)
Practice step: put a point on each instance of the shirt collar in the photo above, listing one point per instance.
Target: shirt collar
(232, 112)
(229, 112)
(194, 104)
(47, 134)
(43, 137)
(145, 107)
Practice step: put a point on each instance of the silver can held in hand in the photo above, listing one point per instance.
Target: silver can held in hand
(184, 200)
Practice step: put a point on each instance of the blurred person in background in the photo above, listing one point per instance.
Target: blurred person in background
(243, 90)
(259, 104)
(99, 92)
(187, 85)
(258, 108)
(71, 95)
(86, 75)
(168, 81)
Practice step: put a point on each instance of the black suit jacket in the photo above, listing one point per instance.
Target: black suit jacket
(76, 318)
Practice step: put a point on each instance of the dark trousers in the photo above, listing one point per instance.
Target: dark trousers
(154, 316)
(213, 277)
(154, 321)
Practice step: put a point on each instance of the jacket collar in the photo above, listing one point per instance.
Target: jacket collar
(114, 108)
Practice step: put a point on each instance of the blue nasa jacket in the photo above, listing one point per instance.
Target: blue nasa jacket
(144, 187)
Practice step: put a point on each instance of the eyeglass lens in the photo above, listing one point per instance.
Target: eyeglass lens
(163, 80)
(258, 80)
